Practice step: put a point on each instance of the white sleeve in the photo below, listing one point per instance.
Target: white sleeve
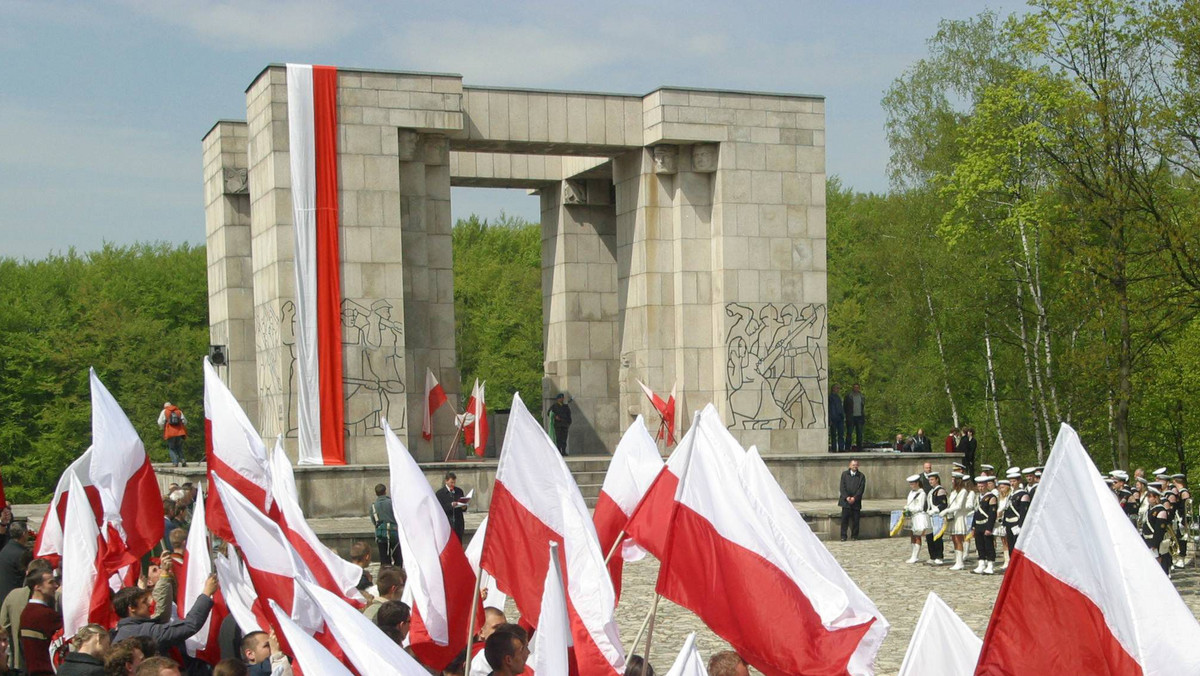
(162, 417)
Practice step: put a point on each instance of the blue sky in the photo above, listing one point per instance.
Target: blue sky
(102, 106)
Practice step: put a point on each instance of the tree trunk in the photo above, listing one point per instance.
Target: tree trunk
(991, 374)
(1033, 393)
(937, 332)
(1124, 378)
(1033, 279)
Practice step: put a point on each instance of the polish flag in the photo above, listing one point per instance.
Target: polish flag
(365, 645)
(238, 593)
(942, 644)
(439, 575)
(84, 591)
(312, 657)
(435, 396)
(238, 456)
(1083, 594)
(836, 598)
(197, 566)
(122, 474)
(748, 579)
(688, 662)
(495, 597)
(535, 501)
(312, 136)
(272, 564)
(49, 542)
(331, 571)
(549, 646)
(666, 412)
(634, 466)
(476, 428)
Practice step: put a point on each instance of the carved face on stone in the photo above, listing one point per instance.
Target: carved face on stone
(665, 159)
(704, 157)
(407, 149)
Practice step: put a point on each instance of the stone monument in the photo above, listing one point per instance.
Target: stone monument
(683, 241)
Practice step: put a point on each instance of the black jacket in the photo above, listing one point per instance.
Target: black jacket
(852, 486)
(454, 515)
(78, 664)
(13, 559)
(168, 635)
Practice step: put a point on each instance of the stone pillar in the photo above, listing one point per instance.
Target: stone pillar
(579, 310)
(379, 171)
(227, 243)
(428, 278)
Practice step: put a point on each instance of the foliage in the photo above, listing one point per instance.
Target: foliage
(498, 306)
(138, 315)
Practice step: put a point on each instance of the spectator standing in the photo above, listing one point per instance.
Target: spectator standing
(132, 605)
(39, 622)
(387, 534)
(837, 421)
(91, 645)
(900, 445)
(560, 414)
(967, 446)
(158, 666)
(10, 614)
(728, 663)
(855, 406)
(850, 492)
(919, 443)
(262, 652)
(451, 499)
(390, 585)
(14, 558)
(174, 426)
(395, 618)
(952, 440)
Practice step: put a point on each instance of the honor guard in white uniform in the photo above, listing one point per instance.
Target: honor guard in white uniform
(914, 509)
(956, 512)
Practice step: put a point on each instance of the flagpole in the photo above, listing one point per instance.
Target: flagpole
(650, 634)
(645, 622)
(471, 622)
(613, 550)
(457, 433)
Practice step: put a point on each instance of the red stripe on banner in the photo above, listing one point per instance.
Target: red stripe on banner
(522, 561)
(609, 520)
(329, 286)
(744, 599)
(1041, 625)
(651, 519)
(458, 581)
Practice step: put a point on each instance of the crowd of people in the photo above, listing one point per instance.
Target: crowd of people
(987, 508)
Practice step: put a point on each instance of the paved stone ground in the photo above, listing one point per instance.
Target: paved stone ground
(877, 566)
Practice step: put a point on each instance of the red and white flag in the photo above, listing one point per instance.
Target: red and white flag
(1083, 594)
(475, 427)
(942, 644)
(748, 578)
(474, 551)
(366, 646)
(633, 468)
(535, 501)
(330, 570)
(49, 542)
(123, 476)
(312, 135)
(666, 413)
(439, 575)
(272, 564)
(197, 566)
(548, 650)
(435, 396)
(84, 590)
(238, 457)
(312, 657)
(836, 598)
(688, 662)
(238, 593)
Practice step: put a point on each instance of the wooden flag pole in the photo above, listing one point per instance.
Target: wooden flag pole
(650, 634)
(457, 433)
(471, 622)
(645, 622)
(612, 550)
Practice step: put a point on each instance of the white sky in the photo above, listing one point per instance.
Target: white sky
(103, 105)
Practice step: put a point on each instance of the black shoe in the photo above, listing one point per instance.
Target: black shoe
(843, 538)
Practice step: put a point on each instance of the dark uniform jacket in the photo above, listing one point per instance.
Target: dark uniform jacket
(455, 515)
(852, 485)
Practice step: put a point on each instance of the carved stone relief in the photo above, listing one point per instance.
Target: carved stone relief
(775, 366)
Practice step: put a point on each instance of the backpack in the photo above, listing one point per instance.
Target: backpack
(175, 418)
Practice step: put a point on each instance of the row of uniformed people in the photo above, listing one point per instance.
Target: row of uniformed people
(984, 506)
(1162, 510)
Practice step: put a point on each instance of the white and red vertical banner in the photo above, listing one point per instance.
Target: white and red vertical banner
(435, 396)
(312, 132)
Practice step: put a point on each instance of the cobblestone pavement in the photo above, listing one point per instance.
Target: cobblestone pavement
(877, 566)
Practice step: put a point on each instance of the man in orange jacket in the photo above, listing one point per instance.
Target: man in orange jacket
(174, 425)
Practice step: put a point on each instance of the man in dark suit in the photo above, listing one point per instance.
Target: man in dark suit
(14, 558)
(850, 494)
(967, 446)
(451, 499)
